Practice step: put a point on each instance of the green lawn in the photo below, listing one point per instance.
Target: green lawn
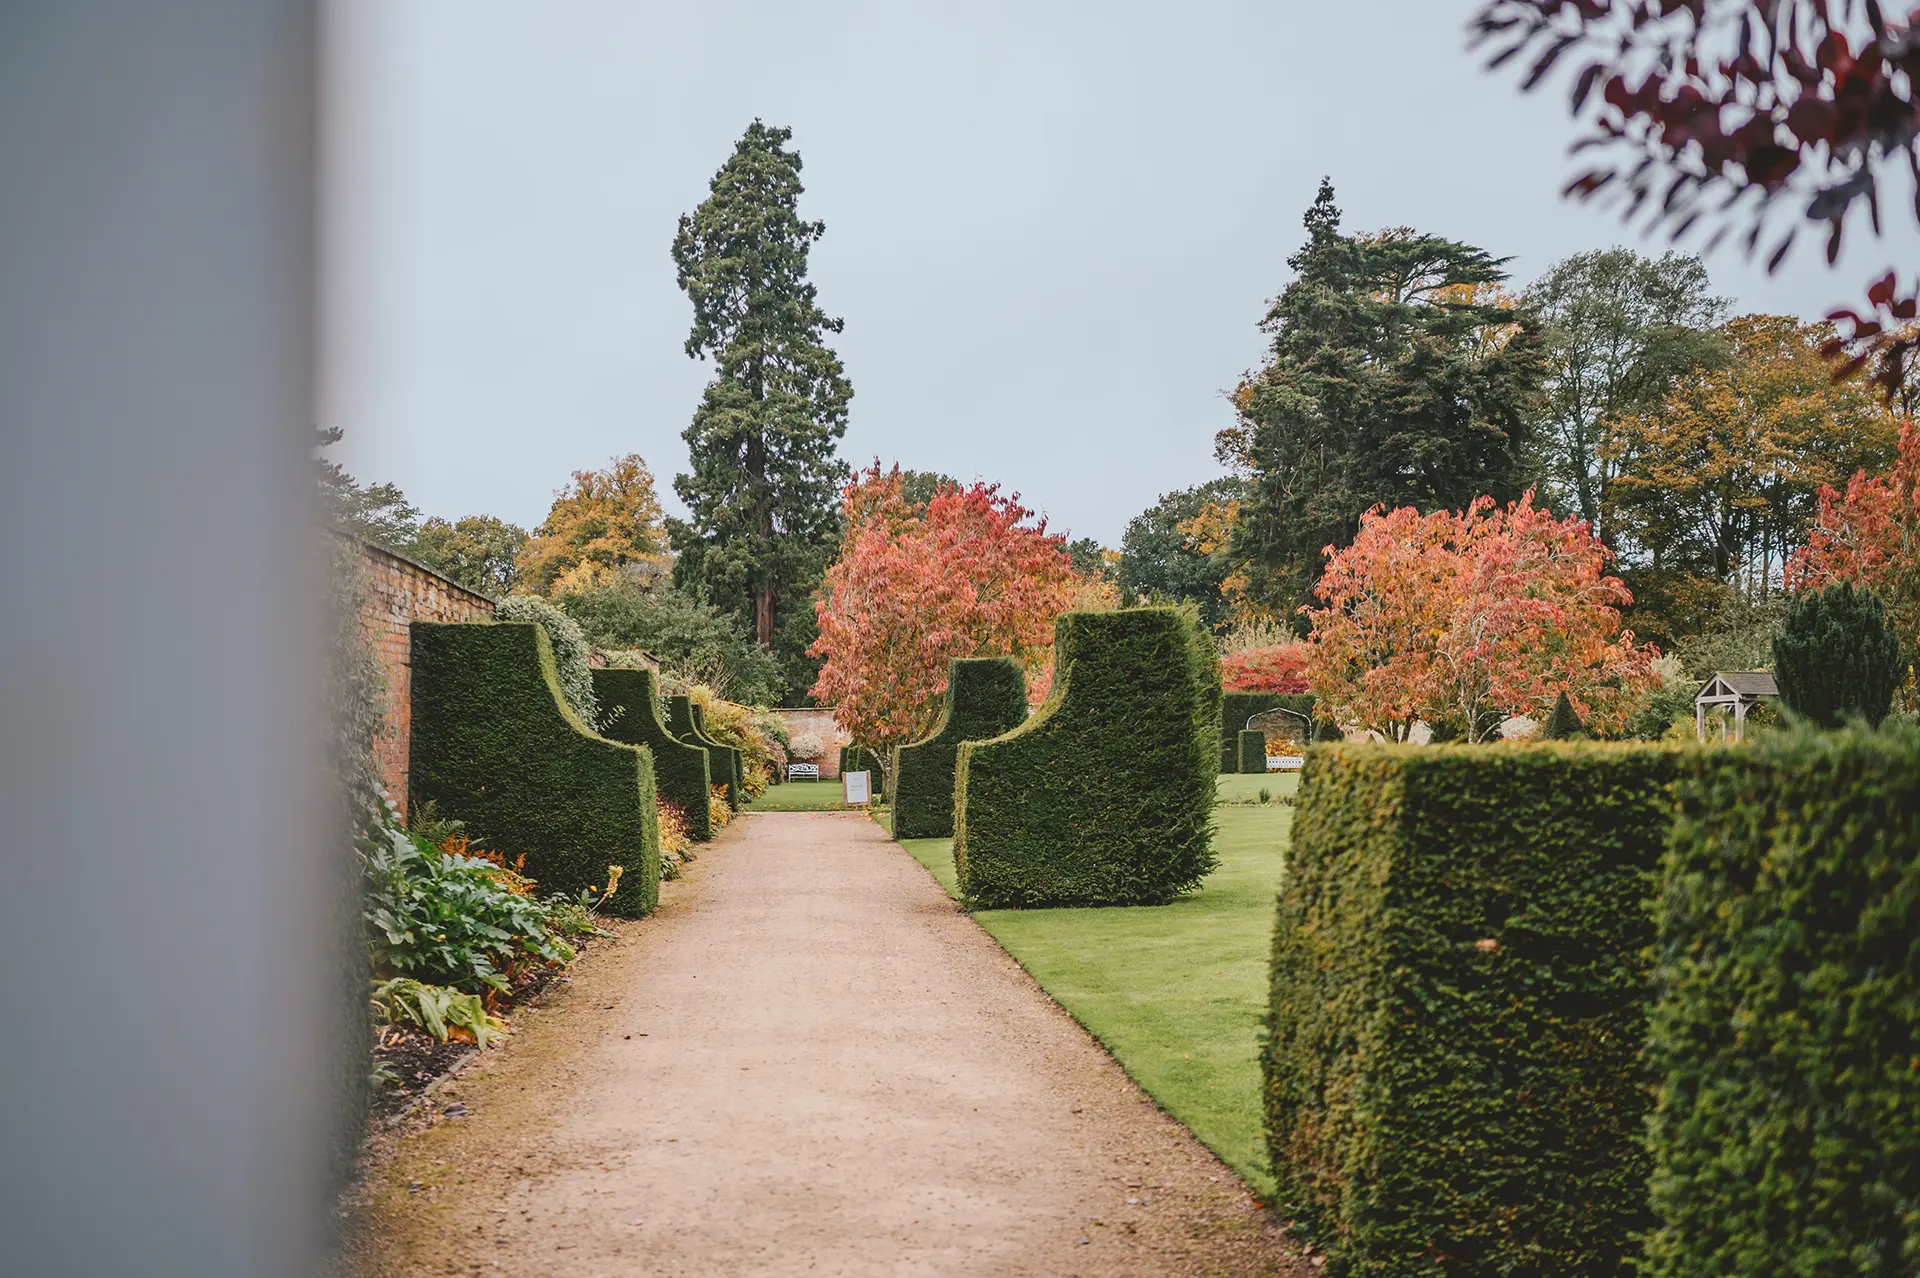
(800, 796)
(1175, 992)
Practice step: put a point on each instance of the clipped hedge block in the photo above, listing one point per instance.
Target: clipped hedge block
(1253, 750)
(1105, 795)
(1238, 707)
(629, 703)
(687, 722)
(1786, 1038)
(1454, 1076)
(495, 745)
(986, 696)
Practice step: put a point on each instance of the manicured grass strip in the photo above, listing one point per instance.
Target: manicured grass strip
(800, 796)
(1175, 992)
(1243, 788)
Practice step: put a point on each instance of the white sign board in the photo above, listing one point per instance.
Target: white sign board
(1286, 762)
(857, 787)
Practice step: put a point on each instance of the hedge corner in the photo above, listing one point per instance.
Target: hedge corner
(494, 744)
(1105, 795)
(630, 709)
(1454, 1060)
(986, 696)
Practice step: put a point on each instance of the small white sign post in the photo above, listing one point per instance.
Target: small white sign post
(857, 788)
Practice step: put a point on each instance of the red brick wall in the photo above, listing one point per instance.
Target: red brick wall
(399, 592)
(820, 723)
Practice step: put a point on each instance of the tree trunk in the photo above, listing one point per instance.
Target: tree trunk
(763, 615)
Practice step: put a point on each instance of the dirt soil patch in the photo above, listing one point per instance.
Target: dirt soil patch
(808, 1061)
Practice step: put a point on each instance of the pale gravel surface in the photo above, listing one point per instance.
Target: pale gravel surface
(831, 1070)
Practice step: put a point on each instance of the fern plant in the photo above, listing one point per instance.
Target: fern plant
(1837, 658)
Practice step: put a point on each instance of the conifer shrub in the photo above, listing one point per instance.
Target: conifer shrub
(685, 721)
(1105, 795)
(985, 697)
(1454, 1076)
(857, 758)
(1837, 657)
(1253, 751)
(629, 703)
(1786, 1039)
(1563, 724)
(495, 745)
(1238, 707)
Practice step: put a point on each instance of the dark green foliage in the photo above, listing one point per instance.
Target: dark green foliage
(1238, 707)
(763, 490)
(1837, 657)
(1253, 750)
(478, 551)
(685, 721)
(1159, 565)
(1453, 1065)
(496, 746)
(1563, 724)
(570, 649)
(1105, 795)
(630, 709)
(693, 641)
(1329, 731)
(857, 758)
(1376, 392)
(1787, 1135)
(985, 697)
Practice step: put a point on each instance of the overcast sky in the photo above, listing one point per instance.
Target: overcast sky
(1052, 228)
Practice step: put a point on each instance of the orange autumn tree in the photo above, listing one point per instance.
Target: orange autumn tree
(966, 576)
(1467, 617)
(1869, 536)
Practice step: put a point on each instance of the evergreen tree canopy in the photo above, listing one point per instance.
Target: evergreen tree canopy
(1159, 562)
(763, 488)
(1399, 374)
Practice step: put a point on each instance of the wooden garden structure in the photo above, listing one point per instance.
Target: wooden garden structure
(1734, 693)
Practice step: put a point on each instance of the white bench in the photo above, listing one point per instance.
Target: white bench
(803, 772)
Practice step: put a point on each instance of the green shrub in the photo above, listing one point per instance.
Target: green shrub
(1453, 1069)
(986, 696)
(1253, 751)
(1786, 1038)
(1105, 795)
(1238, 707)
(857, 758)
(570, 648)
(448, 920)
(630, 709)
(435, 1009)
(1563, 724)
(1837, 657)
(496, 746)
(686, 721)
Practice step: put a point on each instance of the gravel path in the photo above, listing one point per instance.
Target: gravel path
(809, 1061)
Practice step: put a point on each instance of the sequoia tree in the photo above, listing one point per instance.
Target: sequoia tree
(1399, 375)
(764, 476)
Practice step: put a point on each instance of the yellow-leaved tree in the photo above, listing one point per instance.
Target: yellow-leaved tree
(605, 524)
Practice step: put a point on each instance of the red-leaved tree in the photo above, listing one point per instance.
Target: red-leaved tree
(1467, 617)
(1870, 536)
(1280, 668)
(967, 575)
(1715, 112)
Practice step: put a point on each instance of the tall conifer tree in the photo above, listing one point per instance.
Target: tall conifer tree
(1399, 374)
(763, 489)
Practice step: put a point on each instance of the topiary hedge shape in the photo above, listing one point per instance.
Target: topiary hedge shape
(495, 744)
(986, 696)
(685, 721)
(1105, 795)
(1238, 707)
(1836, 657)
(1454, 1061)
(630, 708)
(1253, 751)
(1786, 1138)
